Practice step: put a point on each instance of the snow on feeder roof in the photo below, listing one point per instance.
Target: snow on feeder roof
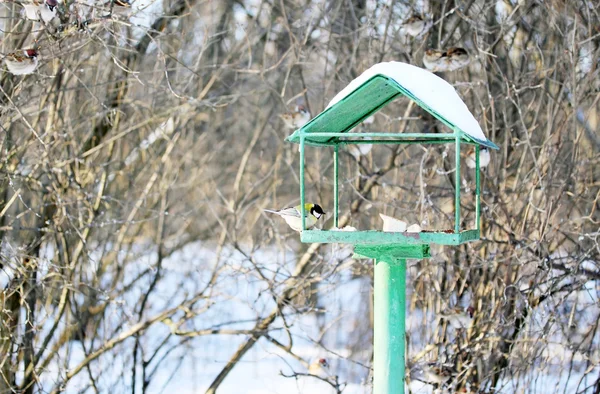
(378, 86)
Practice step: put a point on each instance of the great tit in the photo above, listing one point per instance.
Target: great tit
(293, 218)
(297, 119)
(320, 368)
(484, 157)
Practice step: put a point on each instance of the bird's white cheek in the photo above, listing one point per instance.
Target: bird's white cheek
(484, 160)
(46, 14)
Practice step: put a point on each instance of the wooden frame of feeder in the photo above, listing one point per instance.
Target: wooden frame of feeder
(377, 237)
(325, 130)
(389, 249)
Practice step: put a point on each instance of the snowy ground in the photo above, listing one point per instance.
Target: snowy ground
(242, 298)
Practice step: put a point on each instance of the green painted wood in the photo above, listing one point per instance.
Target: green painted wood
(389, 327)
(477, 191)
(336, 192)
(391, 252)
(379, 134)
(353, 141)
(367, 99)
(383, 238)
(387, 142)
(353, 109)
(457, 184)
(302, 207)
(469, 235)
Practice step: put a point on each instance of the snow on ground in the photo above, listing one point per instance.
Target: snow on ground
(242, 298)
(260, 370)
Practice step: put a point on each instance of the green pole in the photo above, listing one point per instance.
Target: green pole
(457, 191)
(477, 190)
(302, 210)
(389, 336)
(336, 159)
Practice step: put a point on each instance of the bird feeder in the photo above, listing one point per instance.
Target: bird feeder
(363, 97)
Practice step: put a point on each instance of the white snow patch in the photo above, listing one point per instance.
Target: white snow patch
(392, 225)
(415, 228)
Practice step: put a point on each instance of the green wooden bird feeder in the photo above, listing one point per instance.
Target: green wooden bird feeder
(364, 96)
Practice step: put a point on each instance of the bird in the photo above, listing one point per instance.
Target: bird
(87, 10)
(34, 9)
(297, 119)
(450, 60)
(484, 157)
(415, 25)
(457, 317)
(458, 58)
(293, 217)
(432, 373)
(22, 62)
(320, 368)
(392, 225)
(431, 59)
(358, 150)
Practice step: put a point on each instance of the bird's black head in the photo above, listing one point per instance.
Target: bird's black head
(317, 211)
(470, 311)
(457, 52)
(31, 53)
(51, 4)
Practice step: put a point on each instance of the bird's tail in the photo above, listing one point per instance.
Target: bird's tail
(271, 211)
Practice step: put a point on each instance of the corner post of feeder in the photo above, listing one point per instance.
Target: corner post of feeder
(457, 185)
(302, 208)
(336, 154)
(389, 326)
(477, 190)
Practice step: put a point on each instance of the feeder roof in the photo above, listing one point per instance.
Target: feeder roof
(381, 84)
